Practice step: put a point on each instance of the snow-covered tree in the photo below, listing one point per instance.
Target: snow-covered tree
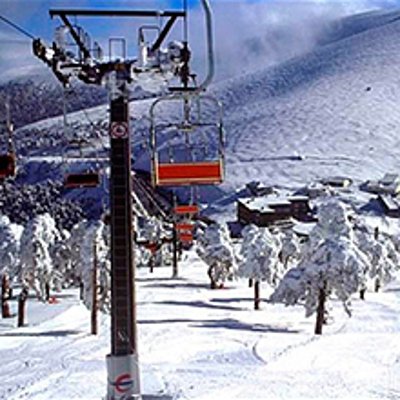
(258, 258)
(10, 235)
(94, 244)
(37, 241)
(214, 246)
(331, 263)
(290, 248)
(63, 274)
(150, 236)
(381, 252)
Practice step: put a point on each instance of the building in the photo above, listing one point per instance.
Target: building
(390, 205)
(337, 182)
(272, 210)
(389, 184)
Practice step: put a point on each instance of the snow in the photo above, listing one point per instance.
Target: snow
(195, 344)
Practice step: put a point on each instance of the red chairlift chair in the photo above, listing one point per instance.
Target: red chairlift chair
(192, 172)
(185, 237)
(82, 180)
(184, 227)
(86, 178)
(186, 209)
(7, 166)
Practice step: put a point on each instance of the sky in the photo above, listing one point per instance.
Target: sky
(249, 34)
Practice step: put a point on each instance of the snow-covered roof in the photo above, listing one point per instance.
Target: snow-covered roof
(390, 203)
(303, 228)
(390, 179)
(267, 203)
(257, 203)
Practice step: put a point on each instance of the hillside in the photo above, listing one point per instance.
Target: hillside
(337, 107)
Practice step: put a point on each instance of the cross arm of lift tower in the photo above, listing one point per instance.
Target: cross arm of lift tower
(65, 13)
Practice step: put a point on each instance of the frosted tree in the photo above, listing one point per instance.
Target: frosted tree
(150, 236)
(214, 247)
(331, 264)
(94, 253)
(10, 235)
(63, 275)
(382, 255)
(37, 243)
(258, 259)
(290, 248)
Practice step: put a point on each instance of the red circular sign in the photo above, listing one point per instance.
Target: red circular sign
(123, 383)
(119, 130)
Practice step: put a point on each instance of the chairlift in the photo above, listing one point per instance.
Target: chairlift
(76, 177)
(185, 237)
(7, 166)
(186, 209)
(208, 170)
(184, 226)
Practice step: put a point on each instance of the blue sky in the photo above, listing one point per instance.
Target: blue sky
(249, 33)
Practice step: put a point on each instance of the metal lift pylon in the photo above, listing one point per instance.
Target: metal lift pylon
(153, 64)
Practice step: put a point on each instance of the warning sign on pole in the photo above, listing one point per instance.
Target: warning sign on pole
(119, 130)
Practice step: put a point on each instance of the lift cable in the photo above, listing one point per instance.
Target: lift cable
(16, 27)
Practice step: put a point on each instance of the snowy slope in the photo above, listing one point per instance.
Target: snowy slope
(337, 107)
(199, 344)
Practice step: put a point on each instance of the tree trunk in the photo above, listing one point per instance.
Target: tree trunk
(175, 253)
(21, 306)
(362, 293)
(47, 289)
(250, 282)
(320, 311)
(377, 285)
(93, 319)
(256, 295)
(213, 284)
(151, 263)
(5, 296)
(81, 290)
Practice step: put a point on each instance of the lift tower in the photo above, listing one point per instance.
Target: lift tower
(154, 66)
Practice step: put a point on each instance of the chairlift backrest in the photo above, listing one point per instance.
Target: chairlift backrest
(7, 166)
(186, 237)
(186, 209)
(82, 180)
(184, 227)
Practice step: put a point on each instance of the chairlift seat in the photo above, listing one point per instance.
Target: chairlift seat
(7, 165)
(186, 209)
(186, 237)
(82, 180)
(182, 226)
(189, 173)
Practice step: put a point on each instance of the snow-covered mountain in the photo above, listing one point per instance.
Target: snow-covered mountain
(337, 107)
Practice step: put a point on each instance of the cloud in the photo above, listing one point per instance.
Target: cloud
(252, 35)
(249, 34)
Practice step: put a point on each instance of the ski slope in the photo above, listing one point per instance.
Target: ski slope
(202, 344)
